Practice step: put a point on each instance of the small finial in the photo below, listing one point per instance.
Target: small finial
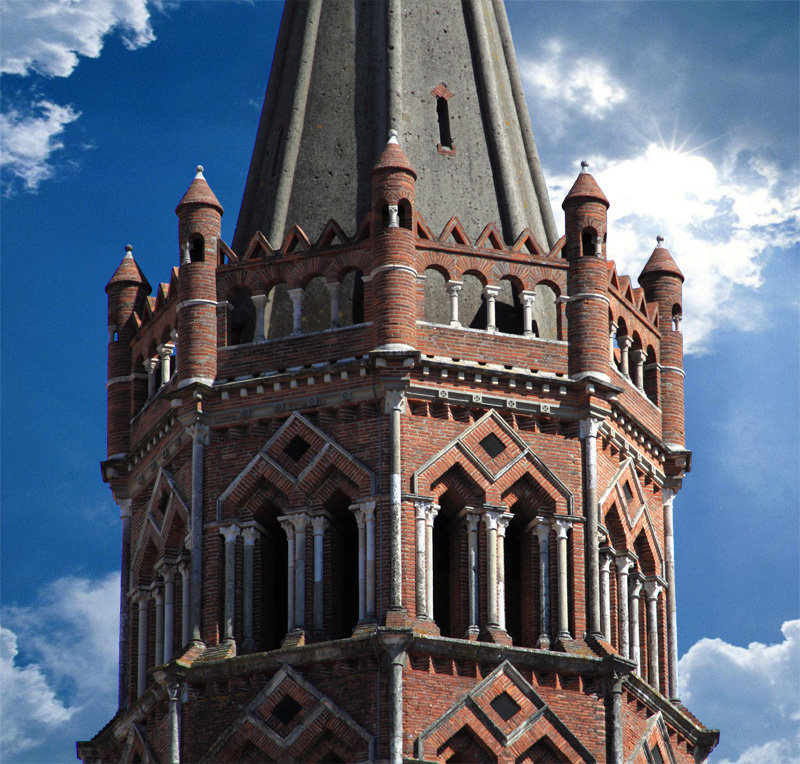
(199, 171)
(128, 250)
(393, 137)
(584, 166)
(660, 240)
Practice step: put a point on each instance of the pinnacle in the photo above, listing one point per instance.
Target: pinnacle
(199, 193)
(660, 262)
(128, 272)
(393, 157)
(585, 187)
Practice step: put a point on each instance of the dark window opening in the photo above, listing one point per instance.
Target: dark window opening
(243, 318)
(384, 216)
(197, 249)
(505, 706)
(493, 445)
(348, 580)
(509, 313)
(441, 576)
(513, 576)
(404, 214)
(286, 709)
(587, 242)
(296, 448)
(626, 490)
(275, 585)
(657, 757)
(443, 114)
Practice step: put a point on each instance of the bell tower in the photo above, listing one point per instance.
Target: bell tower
(397, 468)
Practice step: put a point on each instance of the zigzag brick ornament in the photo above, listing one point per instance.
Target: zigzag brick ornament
(390, 494)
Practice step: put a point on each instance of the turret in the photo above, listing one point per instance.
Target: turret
(200, 216)
(662, 281)
(585, 213)
(126, 292)
(392, 228)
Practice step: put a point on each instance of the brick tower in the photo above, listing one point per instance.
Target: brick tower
(389, 494)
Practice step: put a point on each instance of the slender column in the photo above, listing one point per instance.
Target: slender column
(636, 652)
(296, 296)
(168, 574)
(490, 518)
(288, 526)
(362, 560)
(319, 524)
(260, 302)
(490, 293)
(368, 508)
(543, 533)
(672, 613)
(623, 566)
(453, 288)
(528, 301)
(612, 335)
(605, 594)
(562, 528)
(174, 335)
(617, 751)
(142, 599)
(334, 291)
(502, 524)
(186, 603)
(422, 575)
(473, 518)
(300, 521)
(651, 591)
(624, 348)
(150, 365)
(588, 432)
(199, 433)
(430, 515)
(158, 597)
(639, 357)
(230, 533)
(395, 404)
(124, 605)
(249, 536)
(395, 645)
(173, 693)
(164, 353)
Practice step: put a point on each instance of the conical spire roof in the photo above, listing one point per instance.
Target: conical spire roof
(585, 187)
(129, 272)
(199, 193)
(443, 74)
(393, 157)
(660, 262)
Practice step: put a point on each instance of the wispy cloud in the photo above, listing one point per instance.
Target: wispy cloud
(750, 693)
(58, 663)
(721, 224)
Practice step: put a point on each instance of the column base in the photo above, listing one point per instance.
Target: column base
(294, 638)
(248, 646)
(543, 643)
(472, 633)
(397, 618)
(496, 635)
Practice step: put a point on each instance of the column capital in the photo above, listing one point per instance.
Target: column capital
(249, 535)
(150, 364)
(319, 524)
(395, 400)
(454, 286)
(502, 523)
(296, 294)
(491, 516)
(164, 350)
(528, 297)
(605, 560)
(158, 596)
(588, 427)
(199, 432)
(542, 527)
(638, 355)
(334, 287)
(141, 597)
(473, 518)
(635, 587)
(562, 526)
(184, 569)
(652, 588)
(168, 571)
(668, 497)
(624, 342)
(491, 291)
(623, 563)
(259, 300)
(297, 520)
(229, 532)
(124, 507)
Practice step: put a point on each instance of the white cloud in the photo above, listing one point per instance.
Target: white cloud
(721, 223)
(59, 665)
(27, 141)
(575, 84)
(750, 693)
(47, 36)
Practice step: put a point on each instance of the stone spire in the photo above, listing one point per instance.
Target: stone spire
(443, 74)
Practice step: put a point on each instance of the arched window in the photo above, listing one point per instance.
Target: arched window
(197, 249)
(242, 317)
(651, 375)
(588, 241)
(545, 312)
(436, 299)
(340, 577)
(404, 213)
(472, 303)
(443, 116)
(351, 299)
(316, 306)
(677, 318)
(509, 313)
(278, 312)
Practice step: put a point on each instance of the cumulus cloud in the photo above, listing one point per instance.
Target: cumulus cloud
(27, 141)
(571, 85)
(48, 36)
(750, 693)
(58, 665)
(721, 224)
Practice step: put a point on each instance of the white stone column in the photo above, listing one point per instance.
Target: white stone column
(168, 574)
(543, 534)
(588, 431)
(490, 519)
(260, 302)
(612, 335)
(638, 357)
(672, 614)
(368, 509)
(624, 564)
(142, 599)
(296, 296)
(199, 434)
(562, 528)
(288, 526)
(635, 587)
(502, 525)
(624, 348)
(528, 301)
(158, 598)
(176, 349)
(334, 291)
(164, 352)
(395, 403)
(420, 515)
(430, 515)
(319, 525)
(652, 589)
(362, 560)
(150, 365)
(300, 521)
(490, 293)
(473, 518)
(124, 604)
(174, 696)
(230, 533)
(605, 594)
(453, 288)
(186, 603)
(249, 536)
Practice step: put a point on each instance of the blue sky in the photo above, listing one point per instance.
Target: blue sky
(688, 114)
